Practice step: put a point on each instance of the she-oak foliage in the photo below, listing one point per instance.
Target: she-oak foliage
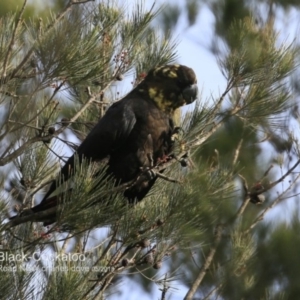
(57, 77)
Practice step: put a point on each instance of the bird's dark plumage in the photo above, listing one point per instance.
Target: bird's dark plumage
(136, 132)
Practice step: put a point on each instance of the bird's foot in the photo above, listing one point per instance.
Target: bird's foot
(150, 174)
(164, 159)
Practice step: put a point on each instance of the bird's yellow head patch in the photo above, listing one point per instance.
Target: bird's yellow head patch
(170, 86)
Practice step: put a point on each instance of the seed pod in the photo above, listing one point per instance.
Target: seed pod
(257, 199)
(51, 130)
(160, 222)
(119, 77)
(157, 265)
(149, 259)
(125, 262)
(144, 243)
(65, 122)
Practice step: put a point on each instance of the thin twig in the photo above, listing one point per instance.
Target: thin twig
(246, 199)
(105, 285)
(237, 152)
(200, 139)
(266, 173)
(99, 245)
(66, 243)
(35, 116)
(190, 294)
(21, 149)
(165, 288)
(81, 2)
(242, 208)
(164, 177)
(58, 156)
(275, 202)
(89, 102)
(271, 185)
(111, 242)
(262, 190)
(23, 124)
(31, 51)
(219, 102)
(207, 297)
(12, 41)
(9, 94)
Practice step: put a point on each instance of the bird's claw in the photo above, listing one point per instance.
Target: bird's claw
(164, 159)
(150, 174)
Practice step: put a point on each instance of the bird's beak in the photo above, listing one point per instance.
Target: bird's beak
(190, 93)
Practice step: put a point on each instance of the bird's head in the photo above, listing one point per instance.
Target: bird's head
(170, 86)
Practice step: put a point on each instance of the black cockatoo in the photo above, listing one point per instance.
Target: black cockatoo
(135, 133)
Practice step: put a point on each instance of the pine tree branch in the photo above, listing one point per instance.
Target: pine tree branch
(31, 217)
(274, 203)
(228, 88)
(9, 94)
(156, 170)
(207, 297)
(13, 74)
(29, 54)
(218, 234)
(251, 195)
(74, 2)
(66, 243)
(167, 178)
(10, 157)
(246, 200)
(281, 178)
(274, 183)
(29, 142)
(105, 285)
(89, 102)
(237, 152)
(84, 297)
(164, 289)
(266, 173)
(12, 41)
(200, 139)
(24, 124)
(23, 147)
(61, 158)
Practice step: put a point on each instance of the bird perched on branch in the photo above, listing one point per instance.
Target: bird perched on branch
(135, 133)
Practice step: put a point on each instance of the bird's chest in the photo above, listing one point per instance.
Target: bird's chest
(154, 133)
(149, 141)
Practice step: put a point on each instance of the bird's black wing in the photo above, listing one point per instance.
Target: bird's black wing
(108, 135)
